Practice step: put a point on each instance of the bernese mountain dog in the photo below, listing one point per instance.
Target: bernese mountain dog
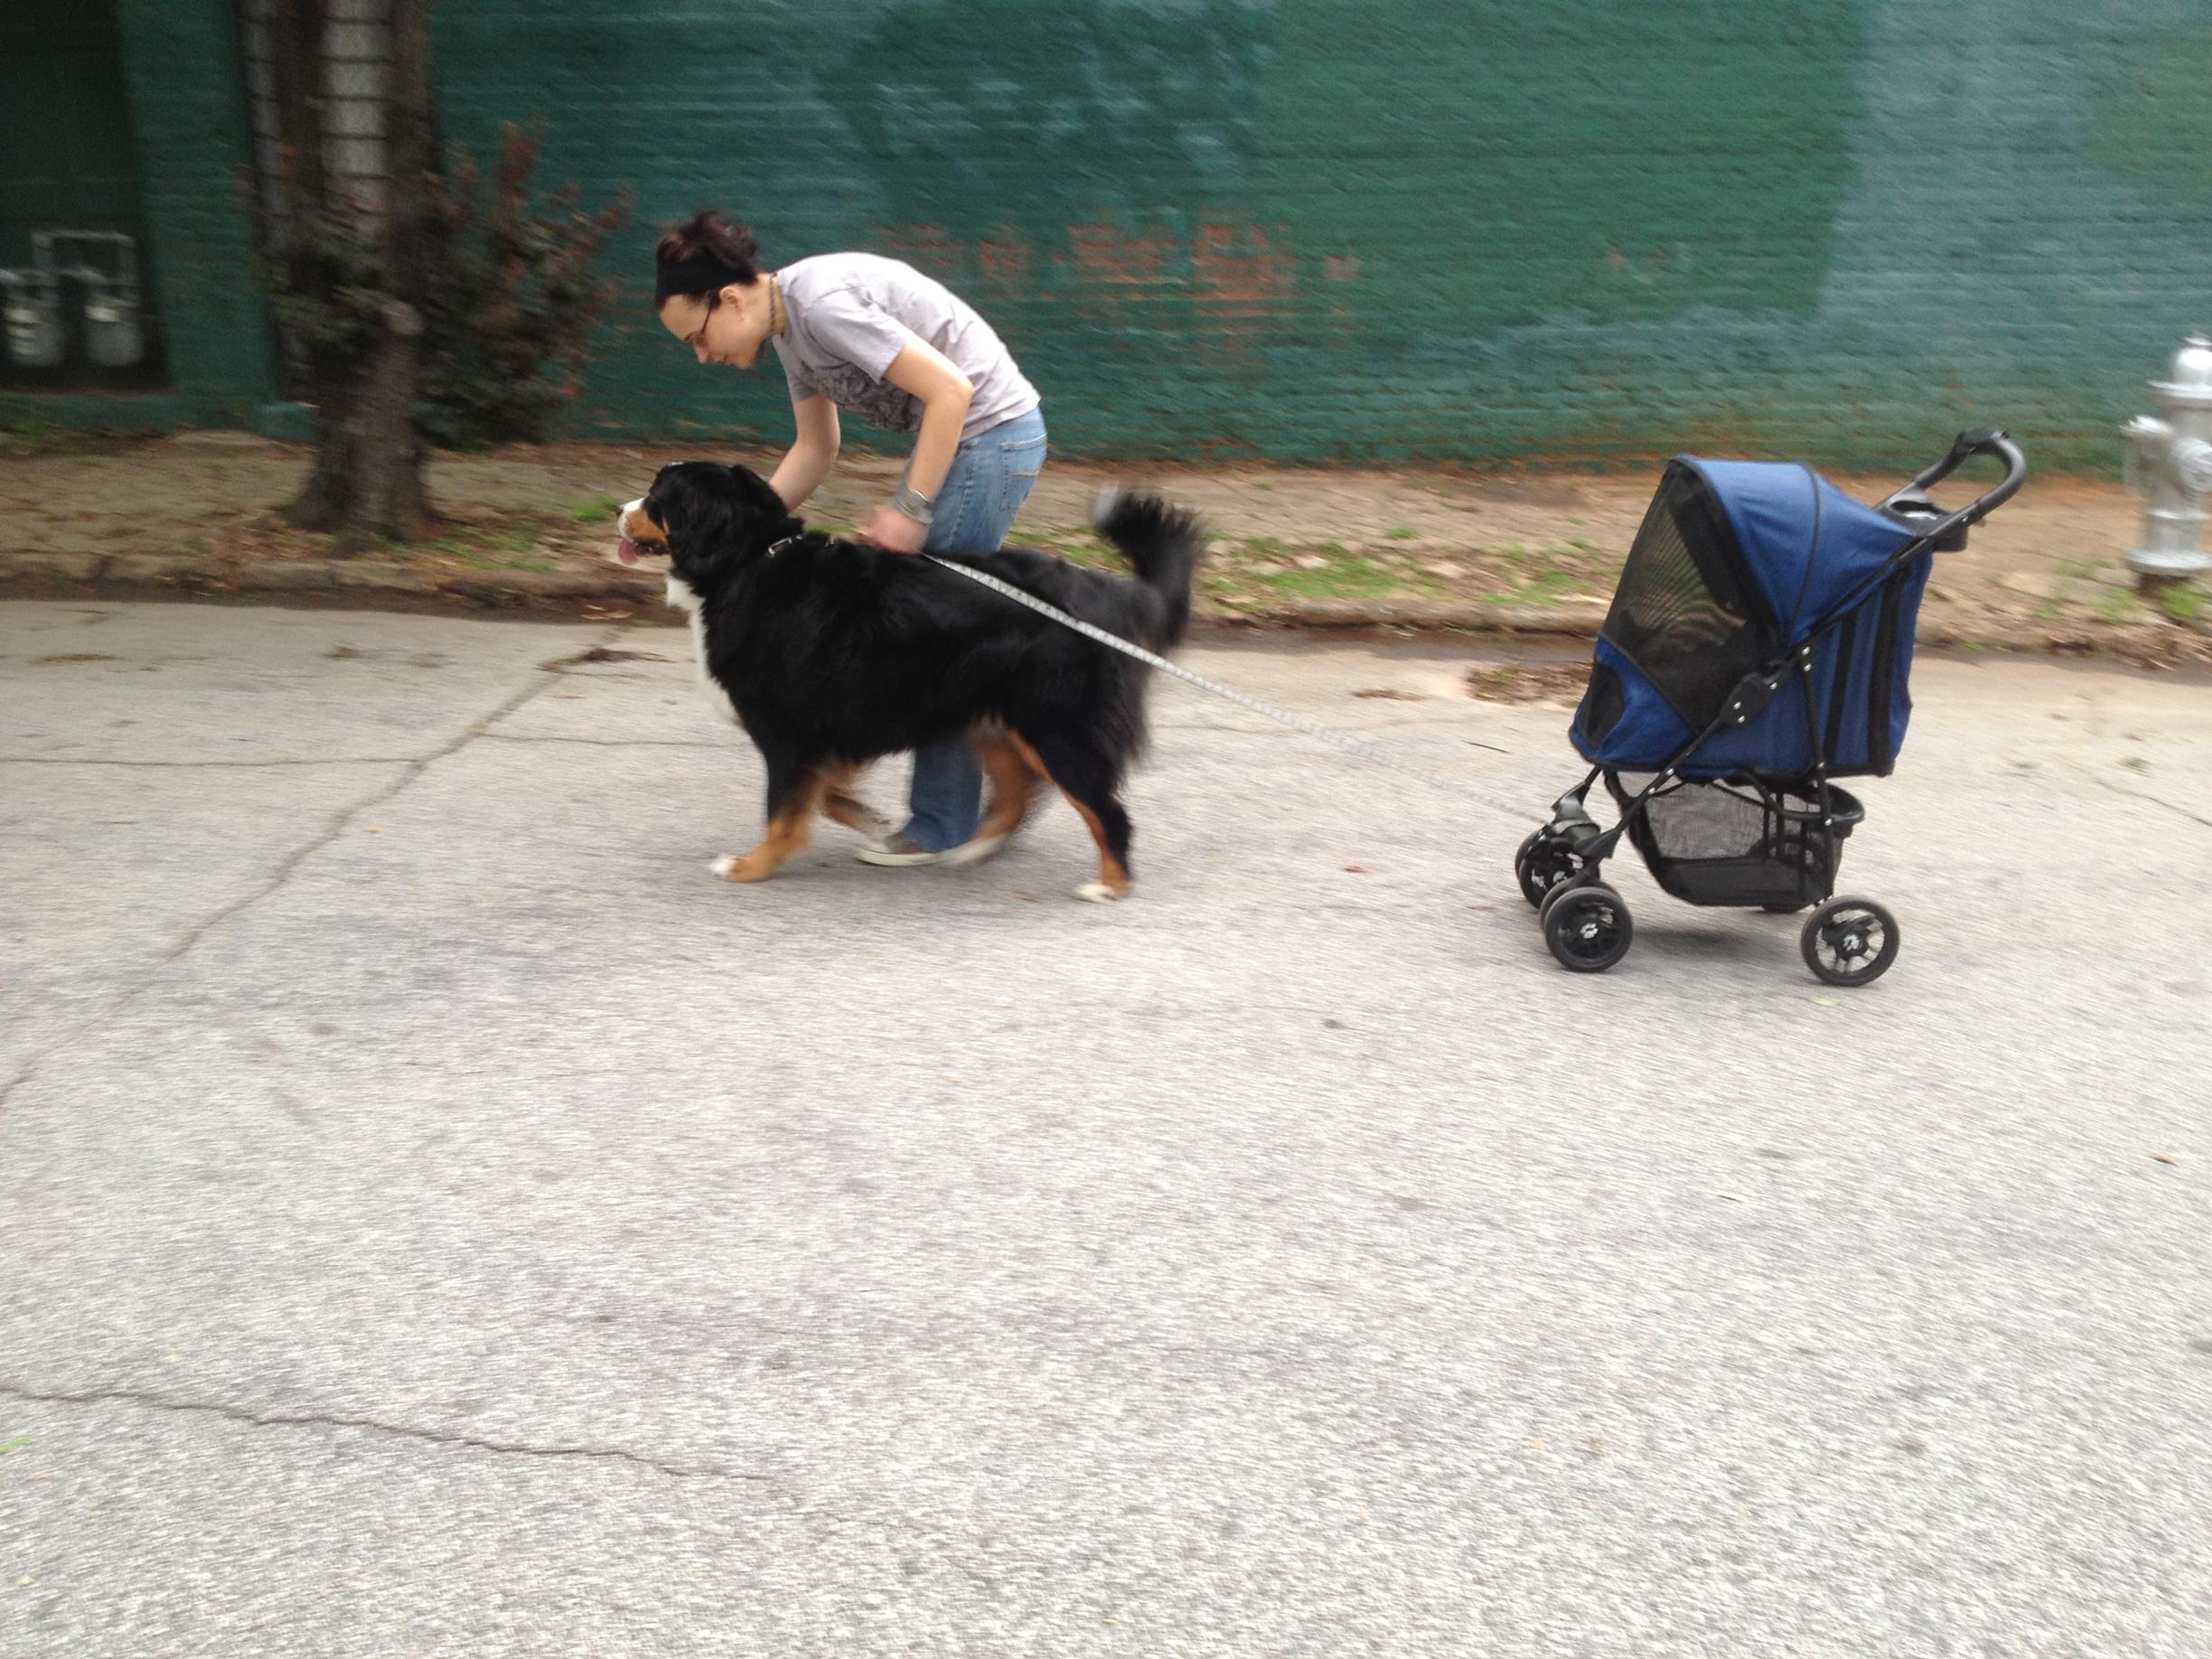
(831, 653)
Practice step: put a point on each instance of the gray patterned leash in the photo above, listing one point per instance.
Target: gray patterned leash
(1364, 748)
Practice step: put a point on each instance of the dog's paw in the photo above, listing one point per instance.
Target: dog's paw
(721, 866)
(1097, 893)
(731, 866)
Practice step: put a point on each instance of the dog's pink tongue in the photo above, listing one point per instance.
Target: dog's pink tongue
(626, 550)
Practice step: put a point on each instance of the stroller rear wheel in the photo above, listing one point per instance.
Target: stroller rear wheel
(1542, 864)
(1588, 928)
(1849, 941)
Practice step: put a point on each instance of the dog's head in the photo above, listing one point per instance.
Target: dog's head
(708, 520)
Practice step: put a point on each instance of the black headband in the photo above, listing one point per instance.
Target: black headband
(696, 277)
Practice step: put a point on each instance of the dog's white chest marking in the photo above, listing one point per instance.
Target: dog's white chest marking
(680, 595)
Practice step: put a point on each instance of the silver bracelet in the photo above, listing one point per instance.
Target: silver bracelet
(914, 504)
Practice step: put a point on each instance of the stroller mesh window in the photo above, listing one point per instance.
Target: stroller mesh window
(1686, 613)
(1709, 821)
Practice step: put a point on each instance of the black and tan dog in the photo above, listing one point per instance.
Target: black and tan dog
(831, 653)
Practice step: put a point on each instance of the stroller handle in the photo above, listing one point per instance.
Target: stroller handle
(1975, 441)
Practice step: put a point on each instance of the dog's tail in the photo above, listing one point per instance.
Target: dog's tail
(1162, 544)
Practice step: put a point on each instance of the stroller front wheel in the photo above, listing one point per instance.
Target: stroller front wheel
(1542, 864)
(1849, 941)
(1588, 928)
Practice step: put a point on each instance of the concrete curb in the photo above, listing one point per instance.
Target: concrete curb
(356, 581)
(375, 583)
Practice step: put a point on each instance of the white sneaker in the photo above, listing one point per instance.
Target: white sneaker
(898, 852)
(895, 852)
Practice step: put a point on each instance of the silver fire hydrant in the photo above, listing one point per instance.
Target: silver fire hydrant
(2169, 465)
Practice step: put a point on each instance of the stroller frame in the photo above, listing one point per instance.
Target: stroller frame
(1801, 820)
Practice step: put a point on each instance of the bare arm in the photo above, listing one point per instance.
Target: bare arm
(811, 456)
(945, 394)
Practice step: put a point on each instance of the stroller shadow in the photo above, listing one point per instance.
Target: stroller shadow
(1692, 944)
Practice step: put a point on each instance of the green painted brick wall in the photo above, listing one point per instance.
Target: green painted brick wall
(188, 118)
(1347, 229)
(1323, 230)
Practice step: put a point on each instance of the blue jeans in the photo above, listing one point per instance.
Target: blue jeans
(991, 475)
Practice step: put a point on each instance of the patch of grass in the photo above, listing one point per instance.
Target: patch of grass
(23, 419)
(17, 1444)
(480, 545)
(1343, 578)
(596, 510)
(2119, 609)
(1543, 586)
(2182, 602)
(1400, 534)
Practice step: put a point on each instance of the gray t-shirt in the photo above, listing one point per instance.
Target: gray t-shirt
(848, 314)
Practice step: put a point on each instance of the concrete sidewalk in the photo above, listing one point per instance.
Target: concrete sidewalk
(1429, 549)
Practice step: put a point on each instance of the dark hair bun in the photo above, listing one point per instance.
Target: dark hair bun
(712, 234)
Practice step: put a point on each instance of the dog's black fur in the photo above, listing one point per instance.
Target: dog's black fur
(834, 652)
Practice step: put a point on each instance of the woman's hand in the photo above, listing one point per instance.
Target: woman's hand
(894, 531)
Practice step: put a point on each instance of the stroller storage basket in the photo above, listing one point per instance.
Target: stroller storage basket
(1740, 841)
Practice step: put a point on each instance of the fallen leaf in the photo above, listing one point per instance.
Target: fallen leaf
(1395, 696)
(1356, 870)
(1721, 1192)
(76, 656)
(2164, 1158)
(8, 1446)
(1827, 1002)
(171, 1359)
(341, 651)
(1536, 1443)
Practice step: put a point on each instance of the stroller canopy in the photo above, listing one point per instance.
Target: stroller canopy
(1738, 562)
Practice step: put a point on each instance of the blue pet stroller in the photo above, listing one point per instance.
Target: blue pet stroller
(1757, 650)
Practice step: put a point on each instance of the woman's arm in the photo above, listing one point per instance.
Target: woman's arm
(812, 454)
(945, 394)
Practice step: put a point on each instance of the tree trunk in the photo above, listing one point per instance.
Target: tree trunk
(295, 64)
(367, 478)
(389, 499)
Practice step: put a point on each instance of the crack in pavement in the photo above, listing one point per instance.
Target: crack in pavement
(412, 769)
(2131, 794)
(275, 1419)
(609, 743)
